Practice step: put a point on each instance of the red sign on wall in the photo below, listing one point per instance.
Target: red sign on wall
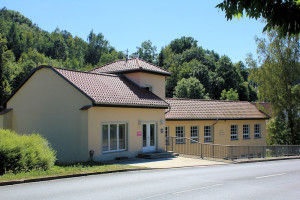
(139, 133)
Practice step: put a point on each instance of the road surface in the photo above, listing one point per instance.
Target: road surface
(264, 180)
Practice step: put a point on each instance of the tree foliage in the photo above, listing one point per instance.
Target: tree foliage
(214, 72)
(146, 52)
(284, 14)
(229, 95)
(278, 80)
(190, 88)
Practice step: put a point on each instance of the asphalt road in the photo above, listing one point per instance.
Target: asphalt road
(264, 180)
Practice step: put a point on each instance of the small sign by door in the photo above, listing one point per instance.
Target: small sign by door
(139, 133)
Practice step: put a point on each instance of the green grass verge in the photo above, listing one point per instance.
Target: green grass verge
(61, 170)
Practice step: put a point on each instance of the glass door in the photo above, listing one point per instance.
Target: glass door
(149, 137)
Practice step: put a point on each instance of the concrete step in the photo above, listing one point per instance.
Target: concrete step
(161, 154)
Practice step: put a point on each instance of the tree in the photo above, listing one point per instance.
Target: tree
(229, 95)
(146, 52)
(13, 41)
(284, 14)
(190, 88)
(278, 82)
(96, 47)
(182, 44)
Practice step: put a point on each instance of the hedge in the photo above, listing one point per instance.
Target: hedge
(24, 152)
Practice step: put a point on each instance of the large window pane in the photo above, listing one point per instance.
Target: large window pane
(144, 135)
(105, 137)
(152, 134)
(122, 136)
(113, 137)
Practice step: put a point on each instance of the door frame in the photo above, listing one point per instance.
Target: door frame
(149, 148)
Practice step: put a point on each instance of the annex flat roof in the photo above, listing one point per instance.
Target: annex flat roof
(131, 65)
(199, 109)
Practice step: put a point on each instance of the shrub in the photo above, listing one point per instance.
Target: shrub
(24, 152)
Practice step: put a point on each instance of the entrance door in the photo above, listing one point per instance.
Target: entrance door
(148, 137)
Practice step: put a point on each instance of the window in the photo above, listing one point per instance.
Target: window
(194, 134)
(179, 134)
(234, 132)
(257, 131)
(148, 87)
(246, 131)
(114, 137)
(207, 134)
(167, 135)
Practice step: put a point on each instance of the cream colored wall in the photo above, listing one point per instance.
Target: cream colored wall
(48, 105)
(222, 130)
(132, 116)
(145, 79)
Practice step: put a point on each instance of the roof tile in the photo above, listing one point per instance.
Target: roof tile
(212, 109)
(111, 89)
(135, 64)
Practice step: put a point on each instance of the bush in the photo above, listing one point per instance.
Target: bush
(24, 152)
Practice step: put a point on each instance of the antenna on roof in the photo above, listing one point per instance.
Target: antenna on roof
(127, 55)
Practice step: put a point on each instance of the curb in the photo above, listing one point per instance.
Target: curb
(265, 160)
(66, 176)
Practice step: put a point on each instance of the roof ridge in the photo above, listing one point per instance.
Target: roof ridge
(106, 64)
(153, 65)
(87, 72)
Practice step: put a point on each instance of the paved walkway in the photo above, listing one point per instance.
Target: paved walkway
(170, 162)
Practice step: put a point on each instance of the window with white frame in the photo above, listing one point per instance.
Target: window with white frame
(234, 132)
(167, 135)
(246, 131)
(257, 133)
(179, 131)
(207, 134)
(194, 134)
(114, 137)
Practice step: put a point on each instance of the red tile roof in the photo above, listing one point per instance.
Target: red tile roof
(211, 109)
(111, 89)
(131, 65)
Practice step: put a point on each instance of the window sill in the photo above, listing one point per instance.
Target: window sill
(114, 151)
(207, 141)
(246, 138)
(234, 139)
(180, 143)
(257, 137)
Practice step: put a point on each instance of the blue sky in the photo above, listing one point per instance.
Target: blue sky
(126, 24)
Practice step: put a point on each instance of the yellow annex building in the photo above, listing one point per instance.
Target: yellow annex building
(120, 110)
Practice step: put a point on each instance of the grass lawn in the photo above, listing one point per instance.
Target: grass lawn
(60, 170)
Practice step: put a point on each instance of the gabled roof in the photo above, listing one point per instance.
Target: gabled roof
(131, 65)
(198, 109)
(106, 89)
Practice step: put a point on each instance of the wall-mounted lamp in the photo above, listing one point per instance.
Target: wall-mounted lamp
(162, 122)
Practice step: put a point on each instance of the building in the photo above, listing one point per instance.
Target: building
(216, 121)
(117, 110)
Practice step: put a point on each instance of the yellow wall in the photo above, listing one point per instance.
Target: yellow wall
(48, 105)
(145, 79)
(222, 130)
(132, 116)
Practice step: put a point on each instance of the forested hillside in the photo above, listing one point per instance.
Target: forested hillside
(197, 73)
